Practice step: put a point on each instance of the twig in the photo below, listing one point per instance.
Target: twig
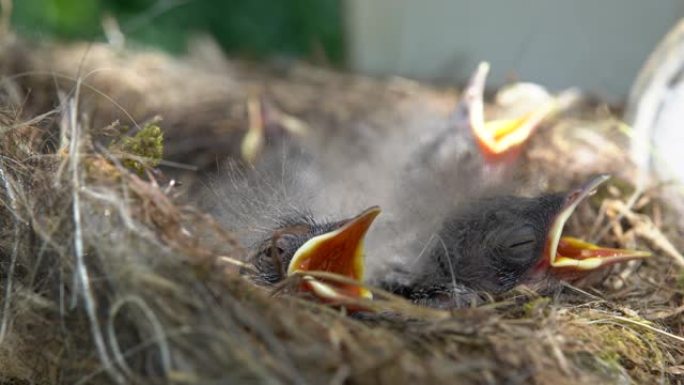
(235, 262)
(557, 352)
(634, 322)
(645, 228)
(630, 203)
(82, 270)
(159, 335)
(80, 81)
(13, 259)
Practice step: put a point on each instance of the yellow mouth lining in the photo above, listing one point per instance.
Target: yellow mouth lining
(501, 135)
(559, 223)
(590, 256)
(593, 256)
(341, 252)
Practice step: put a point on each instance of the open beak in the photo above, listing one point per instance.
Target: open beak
(340, 252)
(572, 257)
(502, 139)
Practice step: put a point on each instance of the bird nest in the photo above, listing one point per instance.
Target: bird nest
(111, 275)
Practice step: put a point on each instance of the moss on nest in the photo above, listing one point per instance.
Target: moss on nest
(145, 148)
(680, 280)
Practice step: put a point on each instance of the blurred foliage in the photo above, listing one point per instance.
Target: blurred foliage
(257, 28)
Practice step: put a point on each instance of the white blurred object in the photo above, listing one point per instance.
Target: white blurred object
(668, 135)
(655, 110)
(522, 97)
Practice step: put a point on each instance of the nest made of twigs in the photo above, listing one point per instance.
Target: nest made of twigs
(110, 276)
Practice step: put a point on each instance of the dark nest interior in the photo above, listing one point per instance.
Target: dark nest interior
(111, 274)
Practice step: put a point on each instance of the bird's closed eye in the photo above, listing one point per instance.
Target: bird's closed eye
(520, 238)
(521, 243)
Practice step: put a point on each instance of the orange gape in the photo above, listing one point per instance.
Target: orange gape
(575, 258)
(340, 252)
(570, 258)
(500, 140)
(333, 257)
(580, 250)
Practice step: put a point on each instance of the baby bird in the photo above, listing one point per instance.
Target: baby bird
(303, 244)
(498, 243)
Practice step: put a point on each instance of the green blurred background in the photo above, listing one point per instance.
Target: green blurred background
(596, 46)
(308, 29)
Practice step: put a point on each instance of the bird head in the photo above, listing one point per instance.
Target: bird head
(498, 243)
(303, 245)
(501, 140)
(570, 258)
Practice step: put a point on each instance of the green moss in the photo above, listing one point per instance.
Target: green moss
(619, 345)
(606, 368)
(610, 358)
(616, 340)
(614, 347)
(536, 306)
(680, 280)
(145, 149)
